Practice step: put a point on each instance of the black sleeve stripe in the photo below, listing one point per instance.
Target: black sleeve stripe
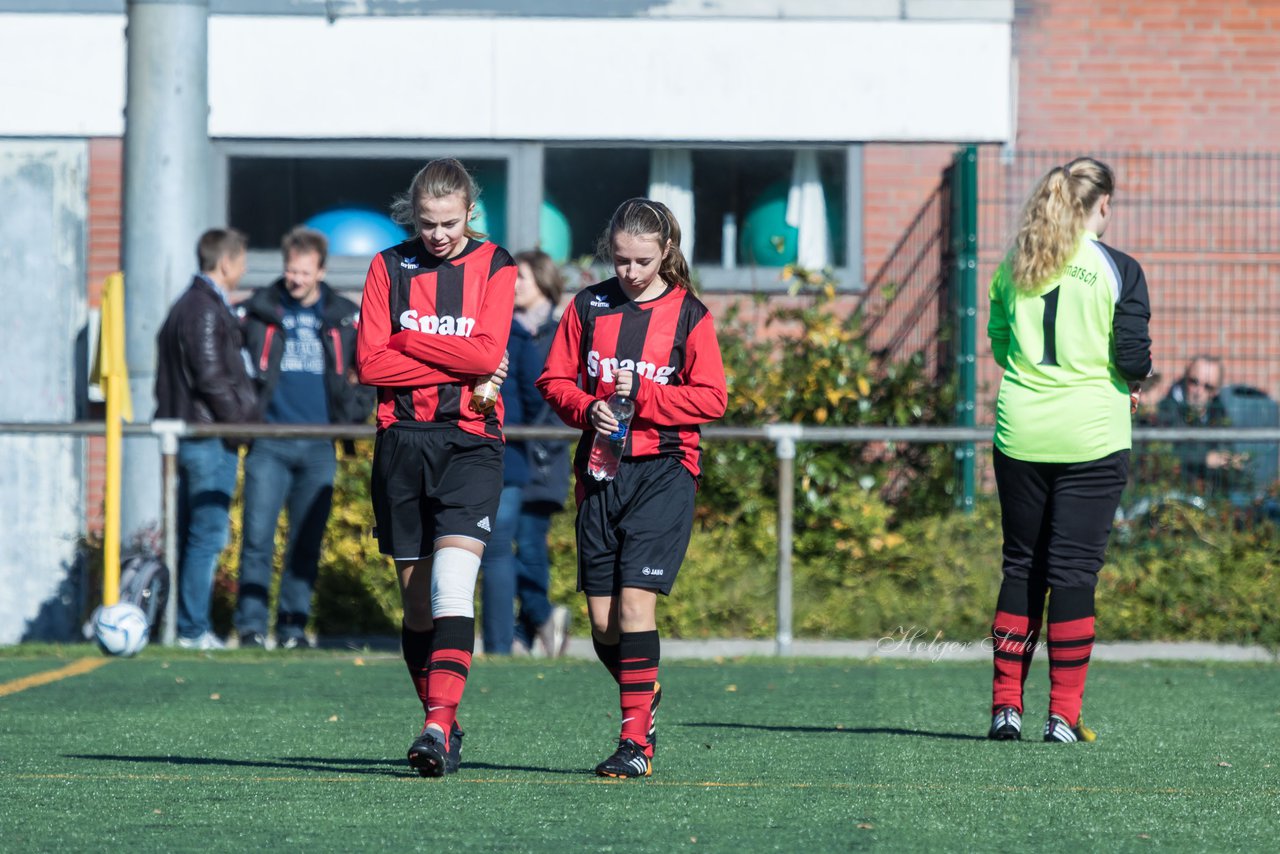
(501, 258)
(1130, 326)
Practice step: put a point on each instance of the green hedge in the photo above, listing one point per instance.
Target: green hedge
(878, 546)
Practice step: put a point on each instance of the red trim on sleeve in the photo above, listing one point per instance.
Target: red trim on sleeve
(264, 358)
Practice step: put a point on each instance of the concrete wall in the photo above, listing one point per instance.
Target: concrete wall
(42, 272)
(495, 78)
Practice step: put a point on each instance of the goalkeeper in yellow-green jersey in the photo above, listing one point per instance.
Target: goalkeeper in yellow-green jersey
(1069, 319)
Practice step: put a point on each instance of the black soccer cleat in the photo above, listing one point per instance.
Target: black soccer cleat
(1006, 725)
(1056, 729)
(653, 716)
(453, 759)
(428, 754)
(628, 760)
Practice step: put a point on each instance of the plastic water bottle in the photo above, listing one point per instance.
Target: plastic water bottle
(606, 451)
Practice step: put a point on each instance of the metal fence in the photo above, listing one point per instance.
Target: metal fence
(906, 307)
(784, 438)
(1206, 229)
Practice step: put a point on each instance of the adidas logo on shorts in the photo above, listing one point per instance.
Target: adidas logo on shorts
(483, 525)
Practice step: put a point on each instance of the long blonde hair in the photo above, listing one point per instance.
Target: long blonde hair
(1053, 219)
(437, 179)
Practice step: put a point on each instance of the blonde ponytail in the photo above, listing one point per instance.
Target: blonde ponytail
(1053, 219)
(437, 179)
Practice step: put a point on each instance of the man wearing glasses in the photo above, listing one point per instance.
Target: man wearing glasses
(1191, 402)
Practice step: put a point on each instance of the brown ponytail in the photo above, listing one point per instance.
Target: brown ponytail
(643, 218)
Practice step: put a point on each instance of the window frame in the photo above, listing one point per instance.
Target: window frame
(525, 162)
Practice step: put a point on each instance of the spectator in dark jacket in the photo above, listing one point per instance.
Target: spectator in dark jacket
(498, 567)
(302, 341)
(202, 376)
(1192, 402)
(539, 286)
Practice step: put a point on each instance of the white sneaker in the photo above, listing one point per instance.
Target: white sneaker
(554, 633)
(206, 642)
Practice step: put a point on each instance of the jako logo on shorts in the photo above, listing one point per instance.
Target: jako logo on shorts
(430, 324)
(606, 368)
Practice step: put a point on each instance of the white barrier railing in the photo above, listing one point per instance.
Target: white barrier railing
(784, 437)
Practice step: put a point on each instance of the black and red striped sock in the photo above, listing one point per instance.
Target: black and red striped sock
(1014, 632)
(416, 648)
(638, 654)
(1071, 636)
(609, 656)
(455, 640)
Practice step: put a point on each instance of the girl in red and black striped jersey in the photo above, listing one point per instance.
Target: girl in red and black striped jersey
(643, 335)
(434, 322)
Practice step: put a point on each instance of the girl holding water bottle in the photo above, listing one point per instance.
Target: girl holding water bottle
(635, 364)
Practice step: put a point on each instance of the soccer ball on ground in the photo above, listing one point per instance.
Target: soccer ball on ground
(121, 629)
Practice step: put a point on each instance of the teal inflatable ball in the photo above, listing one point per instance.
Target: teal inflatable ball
(490, 217)
(765, 239)
(356, 231)
(554, 235)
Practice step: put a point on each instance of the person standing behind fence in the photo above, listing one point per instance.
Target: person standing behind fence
(434, 322)
(202, 377)
(645, 336)
(1069, 325)
(498, 567)
(1190, 402)
(302, 339)
(539, 286)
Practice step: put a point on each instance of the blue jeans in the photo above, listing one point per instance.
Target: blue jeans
(533, 573)
(498, 576)
(299, 473)
(206, 481)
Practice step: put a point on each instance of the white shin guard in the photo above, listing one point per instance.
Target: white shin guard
(453, 582)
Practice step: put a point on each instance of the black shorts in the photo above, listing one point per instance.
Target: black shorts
(1057, 517)
(633, 530)
(430, 483)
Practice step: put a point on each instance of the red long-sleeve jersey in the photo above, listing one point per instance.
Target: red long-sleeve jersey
(429, 327)
(670, 343)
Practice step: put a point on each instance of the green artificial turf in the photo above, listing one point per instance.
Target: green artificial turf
(242, 751)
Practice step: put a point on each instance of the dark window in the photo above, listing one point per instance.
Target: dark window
(587, 184)
(735, 190)
(270, 195)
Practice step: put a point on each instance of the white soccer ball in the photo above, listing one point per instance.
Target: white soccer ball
(121, 629)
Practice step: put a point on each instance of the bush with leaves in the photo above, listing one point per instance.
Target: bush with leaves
(878, 545)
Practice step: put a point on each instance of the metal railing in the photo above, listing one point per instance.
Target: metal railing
(784, 437)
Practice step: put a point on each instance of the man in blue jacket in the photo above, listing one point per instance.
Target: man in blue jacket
(301, 337)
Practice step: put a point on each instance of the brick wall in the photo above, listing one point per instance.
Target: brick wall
(1149, 74)
(103, 259)
(1131, 75)
(1128, 77)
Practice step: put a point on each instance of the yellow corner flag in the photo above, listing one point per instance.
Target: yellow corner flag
(111, 373)
(110, 370)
